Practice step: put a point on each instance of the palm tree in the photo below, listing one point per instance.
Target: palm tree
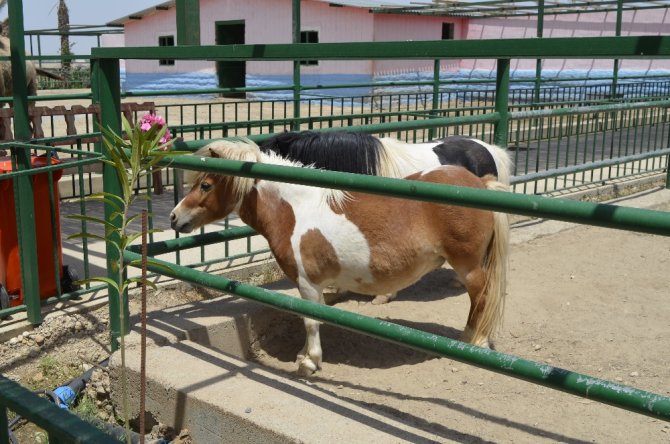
(4, 28)
(63, 28)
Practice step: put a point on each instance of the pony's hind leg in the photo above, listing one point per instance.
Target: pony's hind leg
(310, 357)
(475, 282)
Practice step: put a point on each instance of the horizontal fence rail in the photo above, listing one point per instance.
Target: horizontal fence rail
(598, 214)
(618, 395)
(531, 48)
(62, 426)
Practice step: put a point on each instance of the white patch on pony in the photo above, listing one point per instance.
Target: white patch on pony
(407, 158)
(326, 196)
(353, 255)
(333, 226)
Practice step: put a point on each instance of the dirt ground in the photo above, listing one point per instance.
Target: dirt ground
(591, 300)
(588, 299)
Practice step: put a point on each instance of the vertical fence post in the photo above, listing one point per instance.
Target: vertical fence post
(538, 62)
(617, 32)
(436, 95)
(188, 22)
(296, 67)
(107, 91)
(23, 185)
(4, 425)
(501, 105)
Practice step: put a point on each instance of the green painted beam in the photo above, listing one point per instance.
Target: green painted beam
(553, 112)
(546, 48)
(500, 134)
(607, 392)
(59, 423)
(188, 22)
(295, 38)
(107, 91)
(604, 215)
(23, 185)
(197, 240)
(406, 125)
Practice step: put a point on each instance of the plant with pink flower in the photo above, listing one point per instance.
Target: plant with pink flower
(149, 121)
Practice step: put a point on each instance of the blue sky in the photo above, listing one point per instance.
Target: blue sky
(43, 14)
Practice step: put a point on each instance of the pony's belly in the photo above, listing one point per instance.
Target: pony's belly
(386, 281)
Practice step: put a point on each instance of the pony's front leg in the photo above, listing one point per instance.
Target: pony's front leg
(309, 358)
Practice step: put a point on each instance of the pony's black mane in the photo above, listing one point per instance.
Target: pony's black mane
(338, 151)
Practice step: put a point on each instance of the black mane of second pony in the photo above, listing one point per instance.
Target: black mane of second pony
(337, 151)
(461, 151)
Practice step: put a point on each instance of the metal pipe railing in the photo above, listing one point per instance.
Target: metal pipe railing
(611, 393)
(62, 425)
(598, 214)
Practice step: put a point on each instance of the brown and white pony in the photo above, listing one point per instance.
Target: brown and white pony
(359, 242)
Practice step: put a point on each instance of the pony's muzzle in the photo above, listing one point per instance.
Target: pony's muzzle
(178, 225)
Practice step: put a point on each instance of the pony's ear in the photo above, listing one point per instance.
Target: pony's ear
(213, 153)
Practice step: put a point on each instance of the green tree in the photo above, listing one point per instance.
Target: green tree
(63, 29)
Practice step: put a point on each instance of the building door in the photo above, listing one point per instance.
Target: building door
(231, 74)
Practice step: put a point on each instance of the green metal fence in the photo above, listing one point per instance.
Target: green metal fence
(641, 126)
(500, 117)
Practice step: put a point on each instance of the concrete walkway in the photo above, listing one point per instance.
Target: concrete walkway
(197, 376)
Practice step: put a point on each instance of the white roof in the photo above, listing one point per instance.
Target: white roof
(352, 3)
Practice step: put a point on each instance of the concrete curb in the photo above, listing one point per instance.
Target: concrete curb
(195, 378)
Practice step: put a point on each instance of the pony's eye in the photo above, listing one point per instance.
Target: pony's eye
(204, 186)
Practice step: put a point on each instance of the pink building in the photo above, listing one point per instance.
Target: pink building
(269, 21)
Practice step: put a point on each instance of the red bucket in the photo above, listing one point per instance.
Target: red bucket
(10, 265)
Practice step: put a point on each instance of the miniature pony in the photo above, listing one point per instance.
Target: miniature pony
(359, 242)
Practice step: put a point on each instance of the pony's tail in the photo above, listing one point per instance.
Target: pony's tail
(503, 163)
(495, 267)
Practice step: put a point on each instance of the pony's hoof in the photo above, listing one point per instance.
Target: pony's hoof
(484, 343)
(383, 299)
(468, 336)
(307, 367)
(380, 299)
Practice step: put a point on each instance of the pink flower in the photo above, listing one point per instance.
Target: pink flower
(166, 137)
(149, 121)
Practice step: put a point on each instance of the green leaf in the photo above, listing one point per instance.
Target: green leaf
(134, 236)
(126, 126)
(102, 279)
(108, 199)
(87, 236)
(153, 263)
(94, 236)
(132, 218)
(96, 220)
(140, 281)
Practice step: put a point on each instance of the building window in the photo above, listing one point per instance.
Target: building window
(447, 31)
(166, 40)
(309, 37)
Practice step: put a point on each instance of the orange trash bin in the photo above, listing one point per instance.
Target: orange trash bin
(10, 265)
